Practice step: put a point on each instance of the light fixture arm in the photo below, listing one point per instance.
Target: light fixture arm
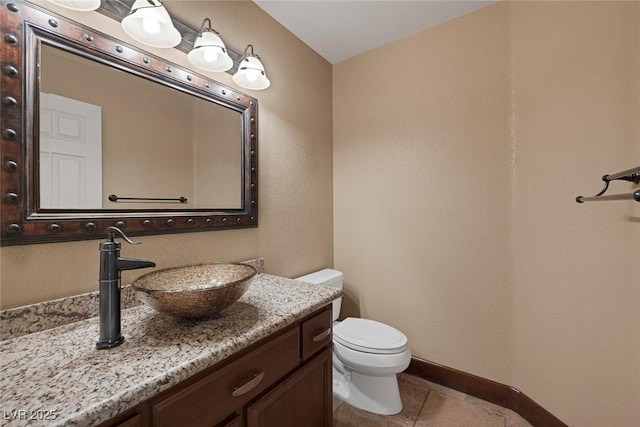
(207, 28)
(247, 53)
(152, 5)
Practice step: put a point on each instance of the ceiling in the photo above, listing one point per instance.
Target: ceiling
(338, 30)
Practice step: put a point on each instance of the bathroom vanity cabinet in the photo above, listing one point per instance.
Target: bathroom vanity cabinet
(264, 361)
(282, 380)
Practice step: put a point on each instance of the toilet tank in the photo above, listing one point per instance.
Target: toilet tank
(327, 277)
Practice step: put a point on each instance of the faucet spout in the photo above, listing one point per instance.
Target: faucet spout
(133, 263)
(111, 264)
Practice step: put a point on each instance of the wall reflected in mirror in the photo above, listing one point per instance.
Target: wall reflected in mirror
(104, 131)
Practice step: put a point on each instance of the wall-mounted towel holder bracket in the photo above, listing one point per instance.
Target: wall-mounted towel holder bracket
(631, 175)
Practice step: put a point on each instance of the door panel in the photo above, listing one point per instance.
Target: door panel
(70, 153)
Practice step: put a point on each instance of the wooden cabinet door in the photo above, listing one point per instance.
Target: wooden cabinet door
(303, 400)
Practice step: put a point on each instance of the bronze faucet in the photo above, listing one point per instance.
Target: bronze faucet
(111, 264)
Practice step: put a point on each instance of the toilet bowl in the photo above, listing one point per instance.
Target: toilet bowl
(367, 356)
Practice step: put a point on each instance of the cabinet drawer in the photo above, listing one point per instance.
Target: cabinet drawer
(316, 332)
(219, 394)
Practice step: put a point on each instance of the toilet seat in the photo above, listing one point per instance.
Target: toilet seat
(369, 336)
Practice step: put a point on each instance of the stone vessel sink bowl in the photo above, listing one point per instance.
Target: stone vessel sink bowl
(192, 291)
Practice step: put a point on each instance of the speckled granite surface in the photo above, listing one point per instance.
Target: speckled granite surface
(28, 319)
(60, 371)
(32, 318)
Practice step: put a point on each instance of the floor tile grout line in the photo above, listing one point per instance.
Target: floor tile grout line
(422, 407)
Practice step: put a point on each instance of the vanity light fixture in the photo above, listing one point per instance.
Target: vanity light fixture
(250, 74)
(79, 5)
(209, 51)
(150, 24)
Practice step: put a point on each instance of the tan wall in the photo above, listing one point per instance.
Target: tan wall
(422, 185)
(576, 307)
(295, 178)
(458, 154)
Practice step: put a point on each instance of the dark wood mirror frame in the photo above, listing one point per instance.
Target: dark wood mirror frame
(23, 24)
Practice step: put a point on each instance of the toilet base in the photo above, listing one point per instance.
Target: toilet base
(376, 394)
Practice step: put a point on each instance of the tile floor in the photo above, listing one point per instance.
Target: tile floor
(429, 404)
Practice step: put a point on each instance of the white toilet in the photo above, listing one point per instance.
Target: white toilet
(367, 356)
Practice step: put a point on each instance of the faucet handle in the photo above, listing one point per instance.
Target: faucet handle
(111, 230)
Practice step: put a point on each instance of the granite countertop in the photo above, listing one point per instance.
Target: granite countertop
(58, 373)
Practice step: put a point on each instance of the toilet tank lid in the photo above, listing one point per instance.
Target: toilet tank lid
(328, 277)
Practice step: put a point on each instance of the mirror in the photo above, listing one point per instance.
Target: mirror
(98, 133)
(144, 144)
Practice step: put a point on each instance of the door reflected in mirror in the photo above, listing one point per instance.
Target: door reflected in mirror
(105, 132)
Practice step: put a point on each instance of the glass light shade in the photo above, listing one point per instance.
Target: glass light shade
(80, 5)
(151, 25)
(251, 75)
(209, 53)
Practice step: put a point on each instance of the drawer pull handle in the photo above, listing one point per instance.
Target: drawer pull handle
(248, 386)
(322, 335)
